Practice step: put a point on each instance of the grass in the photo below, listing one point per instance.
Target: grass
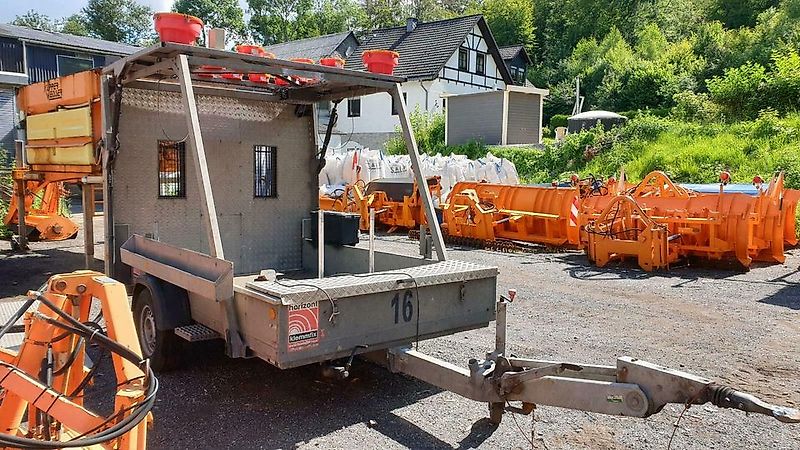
(688, 152)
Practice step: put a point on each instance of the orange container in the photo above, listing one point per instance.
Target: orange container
(250, 49)
(208, 71)
(380, 61)
(71, 90)
(332, 62)
(177, 27)
(301, 80)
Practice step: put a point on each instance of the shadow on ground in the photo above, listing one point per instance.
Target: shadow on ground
(260, 406)
(20, 272)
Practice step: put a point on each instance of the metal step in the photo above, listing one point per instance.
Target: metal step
(196, 332)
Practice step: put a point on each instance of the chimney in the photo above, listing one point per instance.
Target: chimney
(411, 24)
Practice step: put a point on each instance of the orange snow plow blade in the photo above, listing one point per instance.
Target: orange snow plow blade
(541, 215)
(712, 226)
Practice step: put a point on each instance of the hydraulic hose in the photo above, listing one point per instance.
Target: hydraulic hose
(138, 412)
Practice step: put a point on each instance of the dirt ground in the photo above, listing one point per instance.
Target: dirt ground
(742, 329)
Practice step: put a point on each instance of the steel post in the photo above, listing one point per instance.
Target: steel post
(371, 240)
(20, 191)
(320, 244)
(88, 224)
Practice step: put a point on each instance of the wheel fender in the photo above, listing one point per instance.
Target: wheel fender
(170, 302)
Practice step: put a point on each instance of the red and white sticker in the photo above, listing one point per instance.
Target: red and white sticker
(303, 326)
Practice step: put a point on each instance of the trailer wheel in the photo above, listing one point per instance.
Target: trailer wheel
(162, 347)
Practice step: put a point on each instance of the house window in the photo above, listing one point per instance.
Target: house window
(463, 59)
(394, 104)
(171, 169)
(480, 64)
(354, 107)
(67, 65)
(265, 168)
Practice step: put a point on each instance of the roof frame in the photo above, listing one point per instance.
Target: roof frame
(155, 67)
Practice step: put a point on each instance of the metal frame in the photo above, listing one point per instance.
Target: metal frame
(157, 65)
(632, 387)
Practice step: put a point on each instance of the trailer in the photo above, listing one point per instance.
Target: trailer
(211, 190)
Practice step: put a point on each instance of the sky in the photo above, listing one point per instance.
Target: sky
(63, 8)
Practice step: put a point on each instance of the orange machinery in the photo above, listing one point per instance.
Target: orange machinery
(63, 128)
(495, 214)
(396, 201)
(44, 383)
(658, 222)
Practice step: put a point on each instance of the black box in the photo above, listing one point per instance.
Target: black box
(340, 228)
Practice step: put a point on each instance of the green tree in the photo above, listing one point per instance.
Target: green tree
(738, 13)
(511, 21)
(33, 19)
(119, 21)
(274, 21)
(336, 16)
(226, 14)
(74, 24)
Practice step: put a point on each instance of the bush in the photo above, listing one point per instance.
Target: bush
(695, 107)
(739, 90)
(428, 130)
(558, 120)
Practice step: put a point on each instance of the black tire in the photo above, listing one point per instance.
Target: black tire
(162, 347)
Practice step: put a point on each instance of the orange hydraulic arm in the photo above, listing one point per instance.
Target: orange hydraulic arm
(47, 377)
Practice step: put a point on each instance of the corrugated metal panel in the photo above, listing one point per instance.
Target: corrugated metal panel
(43, 62)
(7, 131)
(475, 117)
(523, 118)
(11, 55)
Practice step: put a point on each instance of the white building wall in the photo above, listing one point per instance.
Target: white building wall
(376, 110)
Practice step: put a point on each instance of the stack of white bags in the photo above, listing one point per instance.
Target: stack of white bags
(367, 165)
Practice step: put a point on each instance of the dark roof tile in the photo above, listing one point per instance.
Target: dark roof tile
(424, 51)
(66, 40)
(314, 48)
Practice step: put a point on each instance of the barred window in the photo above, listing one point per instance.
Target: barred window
(265, 180)
(171, 169)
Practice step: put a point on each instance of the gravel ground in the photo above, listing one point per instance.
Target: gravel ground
(741, 329)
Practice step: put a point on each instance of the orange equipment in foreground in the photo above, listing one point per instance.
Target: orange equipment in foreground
(493, 214)
(396, 201)
(63, 128)
(659, 222)
(47, 376)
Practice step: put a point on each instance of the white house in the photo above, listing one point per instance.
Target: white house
(438, 59)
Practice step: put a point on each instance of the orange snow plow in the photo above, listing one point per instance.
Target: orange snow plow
(396, 202)
(659, 222)
(531, 214)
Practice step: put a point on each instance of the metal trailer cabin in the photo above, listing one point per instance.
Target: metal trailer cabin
(209, 184)
(193, 237)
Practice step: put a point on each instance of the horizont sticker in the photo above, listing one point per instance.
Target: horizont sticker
(303, 326)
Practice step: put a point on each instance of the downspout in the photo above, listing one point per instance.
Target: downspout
(422, 85)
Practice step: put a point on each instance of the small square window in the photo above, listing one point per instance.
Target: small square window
(394, 104)
(265, 171)
(463, 59)
(171, 169)
(354, 107)
(480, 64)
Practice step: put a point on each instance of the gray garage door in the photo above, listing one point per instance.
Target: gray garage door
(7, 131)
